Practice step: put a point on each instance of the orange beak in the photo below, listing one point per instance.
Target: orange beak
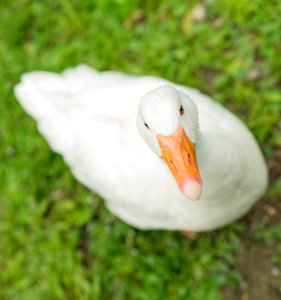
(179, 154)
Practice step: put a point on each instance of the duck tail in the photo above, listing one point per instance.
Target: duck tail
(49, 98)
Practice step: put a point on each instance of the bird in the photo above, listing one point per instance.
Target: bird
(163, 156)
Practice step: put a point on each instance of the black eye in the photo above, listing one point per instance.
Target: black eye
(181, 110)
(146, 125)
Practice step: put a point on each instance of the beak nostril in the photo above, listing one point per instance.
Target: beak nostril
(172, 163)
(189, 159)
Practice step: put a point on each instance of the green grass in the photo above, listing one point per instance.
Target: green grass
(57, 241)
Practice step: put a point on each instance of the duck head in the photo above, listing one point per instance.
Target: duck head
(168, 122)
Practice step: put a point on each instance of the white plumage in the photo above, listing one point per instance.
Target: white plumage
(90, 118)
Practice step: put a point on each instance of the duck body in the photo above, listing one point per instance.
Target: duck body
(89, 117)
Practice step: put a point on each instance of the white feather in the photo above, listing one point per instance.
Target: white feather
(89, 117)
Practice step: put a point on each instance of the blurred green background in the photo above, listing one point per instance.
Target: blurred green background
(57, 241)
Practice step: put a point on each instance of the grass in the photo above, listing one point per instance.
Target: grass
(57, 241)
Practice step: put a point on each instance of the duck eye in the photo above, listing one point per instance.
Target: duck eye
(181, 110)
(146, 125)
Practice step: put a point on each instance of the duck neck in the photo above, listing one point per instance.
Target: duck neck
(201, 153)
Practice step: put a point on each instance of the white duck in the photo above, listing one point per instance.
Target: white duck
(90, 118)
